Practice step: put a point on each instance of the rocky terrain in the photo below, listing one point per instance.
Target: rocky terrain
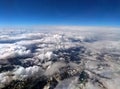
(65, 59)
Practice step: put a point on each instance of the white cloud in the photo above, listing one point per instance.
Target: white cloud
(54, 68)
(33, 48)
(12, 51)
(22, 72)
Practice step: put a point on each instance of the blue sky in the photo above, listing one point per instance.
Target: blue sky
(60, 12)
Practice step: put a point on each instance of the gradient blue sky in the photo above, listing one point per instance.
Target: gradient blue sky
(60, 12)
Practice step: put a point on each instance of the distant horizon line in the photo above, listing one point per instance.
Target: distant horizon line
(39, 25)
(61, 27)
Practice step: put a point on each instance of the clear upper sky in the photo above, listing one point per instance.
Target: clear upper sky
(60, 12)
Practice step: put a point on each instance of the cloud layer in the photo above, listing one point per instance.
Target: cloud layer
(36, 52)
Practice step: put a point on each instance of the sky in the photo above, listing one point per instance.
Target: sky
(60, 12)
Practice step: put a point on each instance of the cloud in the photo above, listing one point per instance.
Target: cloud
(5, 79)
(54, 68)
(13, 51)
(22, 72)
(37, 52)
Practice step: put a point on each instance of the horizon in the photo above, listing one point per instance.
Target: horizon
(56, 25)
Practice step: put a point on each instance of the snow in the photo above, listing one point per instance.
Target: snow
(36, 53)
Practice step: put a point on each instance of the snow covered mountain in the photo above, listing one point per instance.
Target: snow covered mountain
(60, 58)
